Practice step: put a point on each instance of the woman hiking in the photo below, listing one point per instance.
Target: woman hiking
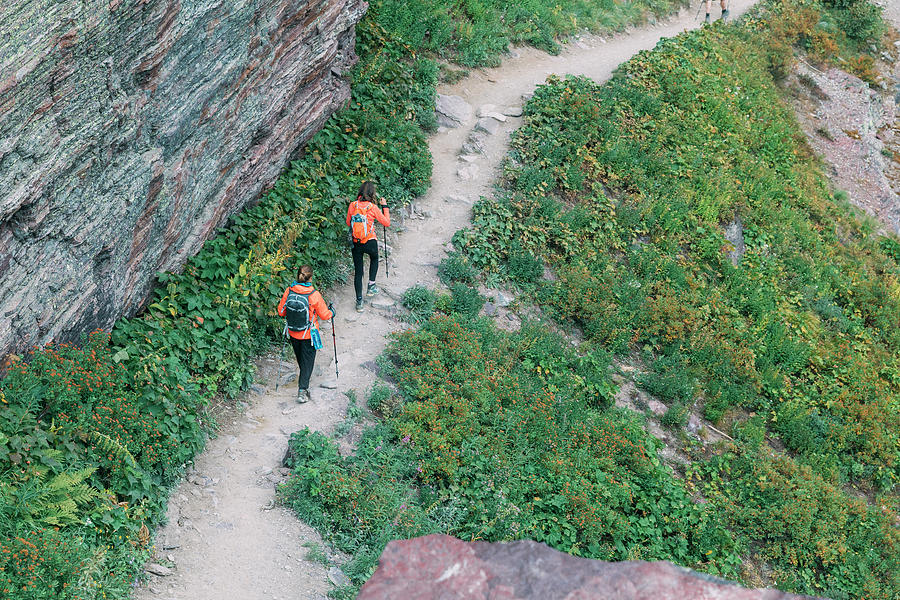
(302, 306)
(723, 4)
(361, 215)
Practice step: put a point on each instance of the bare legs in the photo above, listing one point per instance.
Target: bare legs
(723, 4)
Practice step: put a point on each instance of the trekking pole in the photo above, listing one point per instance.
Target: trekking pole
(337, 374)
(281, 356)
(387, 255)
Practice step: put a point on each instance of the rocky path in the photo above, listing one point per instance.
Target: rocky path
(225, 537)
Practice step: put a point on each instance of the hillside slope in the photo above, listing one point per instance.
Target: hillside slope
(692, 238)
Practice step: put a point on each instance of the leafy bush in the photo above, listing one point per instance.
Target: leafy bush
(522, 266)
(859, 19)
(676, 416)
(382, 400)
(670, 380)
(465, 300)
(817, 538)
(456, 268)
(420, 301)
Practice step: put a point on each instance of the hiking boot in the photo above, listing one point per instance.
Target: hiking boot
(302, 396)
(725, 16)
(359, 305)
(706, 20)
(371, 290)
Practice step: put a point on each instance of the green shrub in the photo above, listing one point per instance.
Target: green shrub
(814, 537)
(420, 301)
(860, 20)
(891, 247)
(676, 416)
(465, 300)
(456, 268)
(383, 401)
(670, 380)
(522, 266)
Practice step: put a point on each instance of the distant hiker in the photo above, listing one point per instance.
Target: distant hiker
(361, 215)
(723, 4)
(302, 306)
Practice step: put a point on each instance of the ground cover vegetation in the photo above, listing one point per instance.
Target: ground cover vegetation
(93, 436)
(495, 435)
(625, 190)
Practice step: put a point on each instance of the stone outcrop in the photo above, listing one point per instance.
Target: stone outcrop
(131, 129)
(856, 131)
(441, 567)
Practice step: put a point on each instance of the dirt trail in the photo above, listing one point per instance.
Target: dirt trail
(224, 536)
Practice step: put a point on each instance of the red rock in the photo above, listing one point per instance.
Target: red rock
(440, 567)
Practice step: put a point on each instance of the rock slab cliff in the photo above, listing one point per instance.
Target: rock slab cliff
(440, 567)
(131, 129)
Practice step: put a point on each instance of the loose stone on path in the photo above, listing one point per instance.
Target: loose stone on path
(452, 111)
(488, 125)
(474, 143)
(468, 172)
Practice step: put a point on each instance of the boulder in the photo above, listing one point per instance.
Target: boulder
(441, 567)
(452, 111)
(157, 569)
(503, 300)
(131, 131)
(485, 110)
(487, 125)
(734, 233)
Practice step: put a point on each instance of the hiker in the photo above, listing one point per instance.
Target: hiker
(302, 306)
(723, 4)
(361, 215)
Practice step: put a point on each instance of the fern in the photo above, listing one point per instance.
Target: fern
(64, 495)
(111, 446)
(59, 500)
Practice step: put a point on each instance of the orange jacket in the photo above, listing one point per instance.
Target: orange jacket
(372, 213)
(317, 307)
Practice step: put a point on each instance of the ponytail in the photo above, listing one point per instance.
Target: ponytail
(304, 274)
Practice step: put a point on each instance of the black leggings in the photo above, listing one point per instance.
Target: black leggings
(306, 358)
(370, 248)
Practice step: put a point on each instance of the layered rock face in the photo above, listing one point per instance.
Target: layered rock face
(131, 129)
(439, 567)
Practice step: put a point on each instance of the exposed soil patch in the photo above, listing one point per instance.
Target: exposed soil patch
(856, 131)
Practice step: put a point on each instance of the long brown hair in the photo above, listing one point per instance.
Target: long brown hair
(304, 273)
(367, 191)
